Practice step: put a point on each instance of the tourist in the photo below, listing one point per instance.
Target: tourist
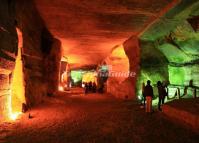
(161, 94)
(90, 85)
(94, 87)
(86, 88)
(148, 92)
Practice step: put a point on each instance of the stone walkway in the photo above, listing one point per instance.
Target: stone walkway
(93, 119)
(185, 111)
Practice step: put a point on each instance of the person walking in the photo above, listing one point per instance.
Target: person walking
(86, 88)
(162, 94)
(94, 87)
(148, 93)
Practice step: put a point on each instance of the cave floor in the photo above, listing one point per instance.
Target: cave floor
(94, 118)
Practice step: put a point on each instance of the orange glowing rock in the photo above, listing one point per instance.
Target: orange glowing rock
(17, 93)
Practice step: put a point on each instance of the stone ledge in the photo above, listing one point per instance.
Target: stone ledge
(6, 66)
(182, 114)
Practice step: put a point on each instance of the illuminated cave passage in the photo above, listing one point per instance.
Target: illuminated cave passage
(73, 70)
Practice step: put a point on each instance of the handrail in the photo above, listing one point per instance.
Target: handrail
(186, 88)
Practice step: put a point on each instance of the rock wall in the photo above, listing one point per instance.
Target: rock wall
(183, 75)
(39, 48)
(118, 63)
(41, 53)
(52, 67)
(8, 51)
(4, 96)
(125, 87)
(29, 22)
(153, 66)
(173, 37)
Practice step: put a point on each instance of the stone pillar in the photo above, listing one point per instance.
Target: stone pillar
(52, 65)
(132, 49)
(118, 68)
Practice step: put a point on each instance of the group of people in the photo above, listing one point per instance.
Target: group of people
(90, 87)
(148, 95)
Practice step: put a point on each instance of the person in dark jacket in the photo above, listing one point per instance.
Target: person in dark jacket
(161, 94)
(86, 88)
(94, 87)
(90, 85)
(148, 93)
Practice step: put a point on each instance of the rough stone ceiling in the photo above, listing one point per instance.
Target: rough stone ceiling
(89, 29)
(174, 35)
(171, 19)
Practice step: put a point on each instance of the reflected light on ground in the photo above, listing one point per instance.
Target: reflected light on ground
(61, 88)
(12, 115)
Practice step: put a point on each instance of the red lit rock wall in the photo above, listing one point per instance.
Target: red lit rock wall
(124, 87)
(118, 64)
(132, 49)
(52, 65)
(39, 46)
(31, 26)
(8, 50)
(4, 94)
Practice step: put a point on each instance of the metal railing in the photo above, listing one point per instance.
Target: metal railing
(178, 91)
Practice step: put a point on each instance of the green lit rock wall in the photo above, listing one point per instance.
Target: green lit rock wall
(172, 37)
(154, 66)
(182, 75)
(181, 48)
